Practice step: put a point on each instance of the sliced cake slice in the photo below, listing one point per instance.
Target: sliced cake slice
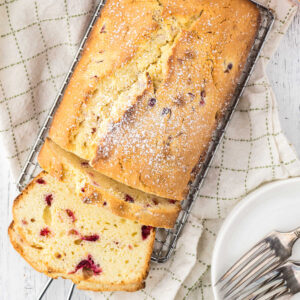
(94, 188)
(60, 235)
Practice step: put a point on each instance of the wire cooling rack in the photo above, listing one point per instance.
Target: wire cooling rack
(165, 241)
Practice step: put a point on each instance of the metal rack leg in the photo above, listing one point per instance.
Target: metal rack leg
(45, 289)
(71, 292)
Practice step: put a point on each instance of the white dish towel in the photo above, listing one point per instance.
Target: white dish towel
(38, 40)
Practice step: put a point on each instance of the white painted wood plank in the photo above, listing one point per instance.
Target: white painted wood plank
(18, 281)
(284, 74)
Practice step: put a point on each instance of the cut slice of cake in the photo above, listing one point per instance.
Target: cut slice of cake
(60, 235)
(94, 188)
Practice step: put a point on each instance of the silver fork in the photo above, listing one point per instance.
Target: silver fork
(283, 281)
(266, 255)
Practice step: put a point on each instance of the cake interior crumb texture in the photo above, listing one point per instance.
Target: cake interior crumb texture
(61, 236)
(153, 80)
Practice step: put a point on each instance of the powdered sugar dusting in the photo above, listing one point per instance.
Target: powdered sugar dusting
(152, 107)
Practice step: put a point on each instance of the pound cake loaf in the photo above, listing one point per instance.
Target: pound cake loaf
(60, 235)
(94, 188)
(151, 85)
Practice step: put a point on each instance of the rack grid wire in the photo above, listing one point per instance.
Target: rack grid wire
(165, 241)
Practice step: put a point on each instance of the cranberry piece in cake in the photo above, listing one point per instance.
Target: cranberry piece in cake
(41, 181)
(146, 230)
(128, 198)
(49, 199)
(45, 231)
(90, 238)
(71, 215)
(88, 264)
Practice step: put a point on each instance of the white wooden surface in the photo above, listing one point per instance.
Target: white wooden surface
(18, 281)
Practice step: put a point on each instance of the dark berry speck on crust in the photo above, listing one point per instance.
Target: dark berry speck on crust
(103, 29)
(203, 95)
(146, 230)
(191, 95)
(229, 67)
(85, 164)
(151, 102)
(166, 111)
(128, 198)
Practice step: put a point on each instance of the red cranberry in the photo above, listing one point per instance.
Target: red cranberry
(45, 231)
(71, 215)
(130, 247)
(104, 203)
(128, 198)
(172, 201)
(93, 130)
(82, 190)
(49, 199)
(41, 181)
(88, 264)
(103, 29)
(146, 230)
(85, 164)
(90, 238)
(24, 222)
(151, 102)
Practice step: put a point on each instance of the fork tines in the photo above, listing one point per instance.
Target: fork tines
(258, 261)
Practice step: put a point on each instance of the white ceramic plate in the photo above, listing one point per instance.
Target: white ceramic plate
(275, 206)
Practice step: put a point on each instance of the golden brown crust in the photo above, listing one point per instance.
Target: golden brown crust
(203, 66)
(156, 148)
(58, 162)
(107, 47)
